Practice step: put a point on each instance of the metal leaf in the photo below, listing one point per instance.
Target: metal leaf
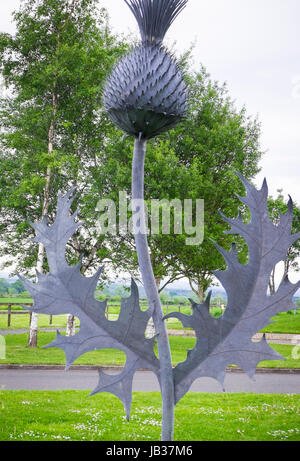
(64, 290)
(228, 339)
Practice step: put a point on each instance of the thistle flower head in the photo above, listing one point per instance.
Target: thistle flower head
(146, 95)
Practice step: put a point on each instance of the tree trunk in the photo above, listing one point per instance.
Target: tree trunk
(150, 330)
(70, 331)
(166, 370)
(32, 340)
(199, 290)
(286, 271)
(272, 282)
(200, 293)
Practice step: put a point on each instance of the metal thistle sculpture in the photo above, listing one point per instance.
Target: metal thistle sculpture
(145, 96)
(220, 342)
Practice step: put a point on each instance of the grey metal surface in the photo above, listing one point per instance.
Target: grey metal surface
(228, 339)
(293, 340)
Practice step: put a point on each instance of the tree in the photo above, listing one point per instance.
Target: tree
(51, 125)
(197, 159)
(276, 207)
(4, 286)
(179, 300)
(214, 141)
(121, 291)
(165, 297)
(18, 286)
(90, 153)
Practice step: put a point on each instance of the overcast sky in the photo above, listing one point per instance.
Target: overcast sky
(253, 45)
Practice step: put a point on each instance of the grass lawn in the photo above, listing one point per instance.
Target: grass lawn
(72, 416)
(285, 323)
(17, 352)
(16, 300)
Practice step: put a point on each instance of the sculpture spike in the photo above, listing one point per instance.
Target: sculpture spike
(208, 299)
(154, 17)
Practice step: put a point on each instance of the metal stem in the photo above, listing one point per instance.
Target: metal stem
(166, 370)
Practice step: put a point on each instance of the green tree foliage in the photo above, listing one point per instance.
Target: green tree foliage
(4, 286)
(165, 297)
(17, 286)
(122, 291)
(7, 287)
(52, 125)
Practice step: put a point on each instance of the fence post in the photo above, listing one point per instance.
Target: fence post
(9, 315)
(50, 321)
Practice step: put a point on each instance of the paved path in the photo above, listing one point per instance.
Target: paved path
(144, 381)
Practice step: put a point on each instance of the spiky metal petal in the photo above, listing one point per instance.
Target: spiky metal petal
(154, 17)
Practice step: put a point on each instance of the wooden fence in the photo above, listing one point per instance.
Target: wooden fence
(9, 312)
